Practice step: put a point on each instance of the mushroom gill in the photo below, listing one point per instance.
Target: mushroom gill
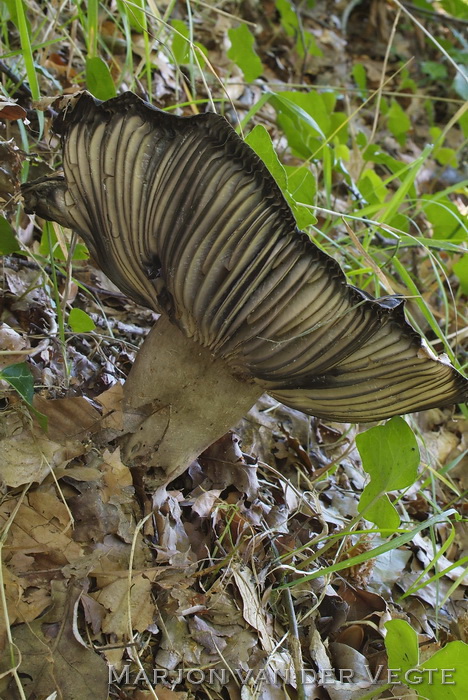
(184, 218)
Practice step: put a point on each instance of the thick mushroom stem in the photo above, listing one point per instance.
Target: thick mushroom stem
(179, 399)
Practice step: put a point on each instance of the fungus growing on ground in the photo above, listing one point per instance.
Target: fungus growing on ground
(185, 219)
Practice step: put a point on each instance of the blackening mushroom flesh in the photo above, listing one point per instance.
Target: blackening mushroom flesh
(184, 218)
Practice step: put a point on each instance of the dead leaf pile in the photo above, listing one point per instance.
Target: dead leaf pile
(115, 590)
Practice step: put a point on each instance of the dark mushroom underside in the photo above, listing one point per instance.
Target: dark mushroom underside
(185, 218)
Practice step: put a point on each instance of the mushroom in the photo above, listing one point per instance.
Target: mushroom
(185, 219)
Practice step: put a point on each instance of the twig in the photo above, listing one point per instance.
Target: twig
(432, 38)
(16, 264)
(433, 14)
(21, 85)
(382, 78)
(295, 643)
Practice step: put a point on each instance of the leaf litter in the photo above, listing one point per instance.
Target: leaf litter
(94, 574)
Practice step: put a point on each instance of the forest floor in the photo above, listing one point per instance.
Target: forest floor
(258, 578)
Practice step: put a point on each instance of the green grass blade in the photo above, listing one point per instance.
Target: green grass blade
(29, 59)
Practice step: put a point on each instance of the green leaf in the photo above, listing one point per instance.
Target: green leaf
(8, 241)
(305, 40)
(406, 186)
(446, 156)
(460, 268)
(398, 122)
(371, 187)
(259, 141)
(463, 121)
(401, 642)
(296, 184)
(374, 154)
(436, 71)
(444, 676)
(342, 152)
(98, 79)
(460, 83)
(49, 245)
(289, 20)
(446, 219)
(452, 658)
(21, 379)
(10, 7)
(401, 222)
(308, 109)
(80, 322)
(19, 376)
(307, 44)
(424, 4)
(390, 455)
(384, 106)
(304, 118)
(361, 140)
(360, 77)
(408, 85)
(338, 123)
(181, 47)
(302, 188)
(312, 113)
(136, 14)
(243, 53)
(457, 8)
(80, 251)
(180, 44)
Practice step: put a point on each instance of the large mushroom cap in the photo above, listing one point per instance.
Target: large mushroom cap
(185, 218)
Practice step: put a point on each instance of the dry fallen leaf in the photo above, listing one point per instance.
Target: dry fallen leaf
(11, 340)
(52, 657)
(28, 456)
(253, 611)
(68, 419)
(114, 598)
(11, 110)
(38, 534)
(111, 401)
(224, 464)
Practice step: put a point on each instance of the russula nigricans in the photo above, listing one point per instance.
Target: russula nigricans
(184, 218)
